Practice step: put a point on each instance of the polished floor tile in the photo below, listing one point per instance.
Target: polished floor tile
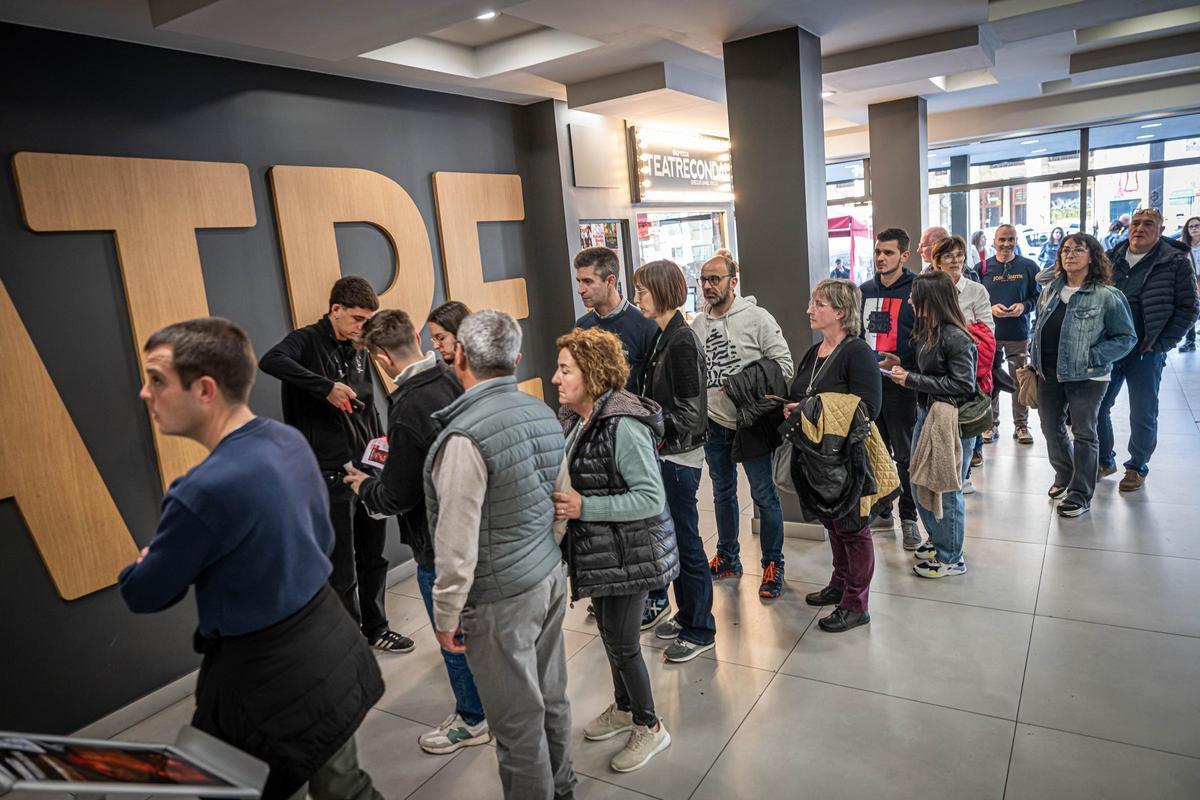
(759, 633)
(1050, 765)
(812, 739)
(1163, 529)
(1124, 685)
(1153, 593)
(952, 655)
(701, 702)
(388, 751)
(1008, 515)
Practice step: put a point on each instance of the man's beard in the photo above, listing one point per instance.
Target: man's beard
(721, 298)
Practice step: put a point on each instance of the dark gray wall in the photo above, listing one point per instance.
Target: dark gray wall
(66, 664)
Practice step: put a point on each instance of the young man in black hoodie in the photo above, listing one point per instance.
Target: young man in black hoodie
(329, 397)
(424, 384)
(1155, 274)
(1011, 281)
(888, 324)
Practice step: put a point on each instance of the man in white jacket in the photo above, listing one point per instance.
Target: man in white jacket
(736, 333)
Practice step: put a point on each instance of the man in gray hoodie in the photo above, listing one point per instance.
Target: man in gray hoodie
(736, 333)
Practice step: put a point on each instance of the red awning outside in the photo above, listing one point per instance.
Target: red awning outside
(848, 226)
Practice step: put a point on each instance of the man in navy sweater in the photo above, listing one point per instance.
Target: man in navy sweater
(249, 528)
(1011, 281)
(596, 272)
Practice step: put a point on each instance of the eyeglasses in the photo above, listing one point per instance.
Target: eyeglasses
(815, 303)
(712, 280)
(956, 256)
(1073, 251)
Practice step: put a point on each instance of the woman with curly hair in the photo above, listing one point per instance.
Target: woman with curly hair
(620, 539)
(1083, 326)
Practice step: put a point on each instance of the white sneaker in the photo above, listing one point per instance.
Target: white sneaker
(643, 745)
(936, 569)
(454, 734)
(610, 722)
(968, 487)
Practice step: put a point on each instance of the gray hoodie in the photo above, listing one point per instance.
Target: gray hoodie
(739, 337)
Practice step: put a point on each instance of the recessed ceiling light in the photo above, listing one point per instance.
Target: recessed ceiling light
(1152, 125)
(1145, 136)
(1030, 141)
(828, 93)
(1039, 150)
(487, 15)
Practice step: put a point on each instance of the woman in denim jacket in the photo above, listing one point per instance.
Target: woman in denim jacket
(1083, 326)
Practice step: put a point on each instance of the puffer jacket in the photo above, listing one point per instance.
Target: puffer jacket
(614, 558)
(1161, 290)
(946, 370)
(757, 417)
(840, 466)
(985, 344)
(673, 377)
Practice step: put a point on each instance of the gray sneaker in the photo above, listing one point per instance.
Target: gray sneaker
(610, 723)
(682, 650)
(912, 536)
(643, 745)
(668, 630)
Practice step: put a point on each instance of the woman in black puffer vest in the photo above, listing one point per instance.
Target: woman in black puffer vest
(620, 540)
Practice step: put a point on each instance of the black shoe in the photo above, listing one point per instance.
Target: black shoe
(1072, 508)
(392, 642)
(653, 612)
(1056, 491)
(826, 597)
(842, 620)
(1187, 347)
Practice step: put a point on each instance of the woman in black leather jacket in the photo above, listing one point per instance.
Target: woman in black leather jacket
(673, 376)
(945, 373)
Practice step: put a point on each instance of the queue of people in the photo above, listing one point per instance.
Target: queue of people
(281, 528)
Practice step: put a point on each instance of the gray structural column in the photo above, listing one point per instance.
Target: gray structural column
(899, 176)
(777, 134)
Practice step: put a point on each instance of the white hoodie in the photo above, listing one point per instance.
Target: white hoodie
(732, 341)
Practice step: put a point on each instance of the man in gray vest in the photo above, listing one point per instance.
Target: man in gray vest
(498, 567)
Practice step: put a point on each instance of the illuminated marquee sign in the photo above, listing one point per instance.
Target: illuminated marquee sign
(681, 168)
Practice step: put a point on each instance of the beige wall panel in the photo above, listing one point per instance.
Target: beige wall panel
(154, 207)
(45, 466)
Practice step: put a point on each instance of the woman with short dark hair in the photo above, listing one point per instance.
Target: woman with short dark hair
(1190, 235)
(1083, 326)
(673, 376)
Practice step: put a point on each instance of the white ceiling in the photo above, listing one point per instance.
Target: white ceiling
(966, 57)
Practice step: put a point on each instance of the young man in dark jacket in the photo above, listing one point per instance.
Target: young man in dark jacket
(1156, 276)
(597, 271)
(286, 676)
(1011, 282)
(424, 384)
(328, 396)
(888, 322)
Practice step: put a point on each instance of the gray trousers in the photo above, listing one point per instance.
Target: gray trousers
(340, 778)
(1016, 353)
(515, 651)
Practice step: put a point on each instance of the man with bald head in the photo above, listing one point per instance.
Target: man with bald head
(1011, 282)
(929, 239)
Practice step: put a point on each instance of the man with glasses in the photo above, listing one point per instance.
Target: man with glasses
(1155, 273)
(596, 272)
(1011, 283)
(736, 333)
(328, 395)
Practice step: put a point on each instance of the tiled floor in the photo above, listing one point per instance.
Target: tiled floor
(1066, 663)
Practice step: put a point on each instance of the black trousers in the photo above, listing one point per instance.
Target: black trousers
(619, 619)
(359, 567)
(896, 421)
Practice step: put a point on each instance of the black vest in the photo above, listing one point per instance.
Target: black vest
(615, 558)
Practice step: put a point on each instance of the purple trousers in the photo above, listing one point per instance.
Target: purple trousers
(853, 564)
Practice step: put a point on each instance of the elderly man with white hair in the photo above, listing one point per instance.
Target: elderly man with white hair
(500, 578)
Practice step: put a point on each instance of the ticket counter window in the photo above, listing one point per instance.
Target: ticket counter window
(689, 238)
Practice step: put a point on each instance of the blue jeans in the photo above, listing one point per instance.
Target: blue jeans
(718, 452)
(1143, 373)
(462, 683)
(945, 534)
(693, 587)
